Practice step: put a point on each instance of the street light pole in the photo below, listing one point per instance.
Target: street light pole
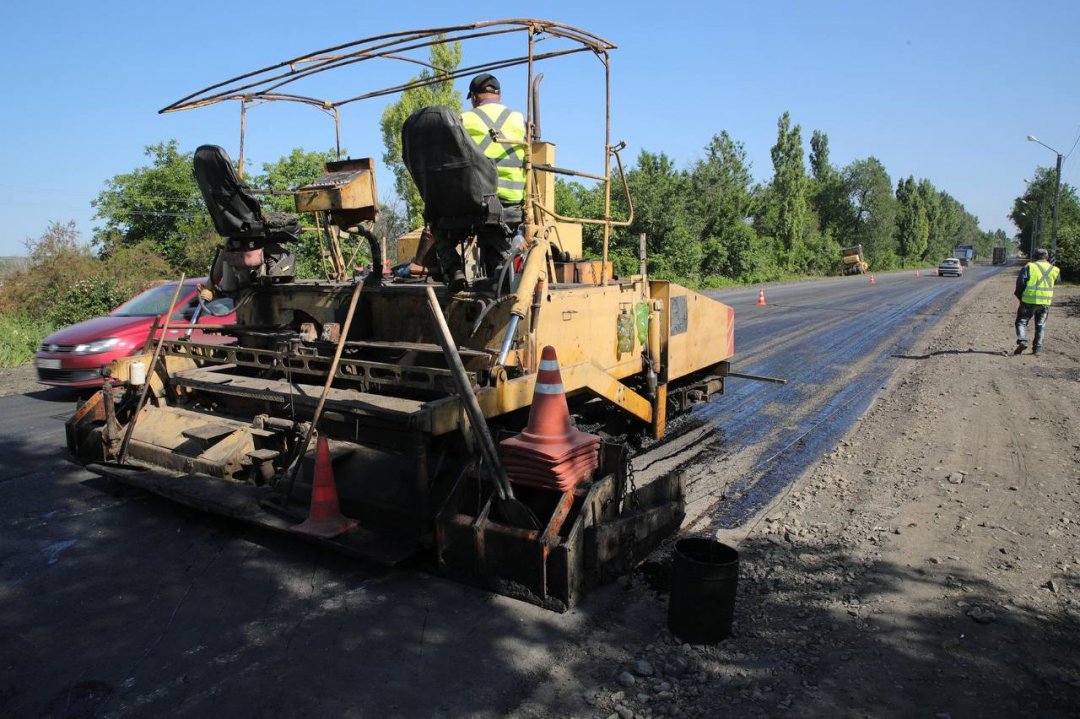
(1057, 191)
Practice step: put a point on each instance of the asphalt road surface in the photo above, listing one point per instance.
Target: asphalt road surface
(836, 341)
(116, 603)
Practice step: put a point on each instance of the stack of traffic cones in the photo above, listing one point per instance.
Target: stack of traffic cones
(550, 453)
(324, 518)
(872, 280)
(761, 298)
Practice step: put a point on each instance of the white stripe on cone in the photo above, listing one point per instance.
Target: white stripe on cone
(544, 388)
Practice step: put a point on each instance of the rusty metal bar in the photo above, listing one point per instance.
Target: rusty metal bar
(387, 46)
(243, 130)
(563, 171)
(326, 389)
(757, 377)
(149, 372)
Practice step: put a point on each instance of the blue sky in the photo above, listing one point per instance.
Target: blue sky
(942, 90)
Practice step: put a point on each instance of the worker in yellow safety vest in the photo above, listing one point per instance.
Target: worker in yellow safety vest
(499, 132)
(1035, 290)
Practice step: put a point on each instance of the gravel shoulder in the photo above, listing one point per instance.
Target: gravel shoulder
(928, 566)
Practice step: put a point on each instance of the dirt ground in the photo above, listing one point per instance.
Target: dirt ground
(928, 566)
(19, 380)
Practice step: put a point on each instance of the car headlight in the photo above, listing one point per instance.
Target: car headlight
(96, 346)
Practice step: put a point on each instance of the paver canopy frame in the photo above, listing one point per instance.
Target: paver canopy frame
(544, 40)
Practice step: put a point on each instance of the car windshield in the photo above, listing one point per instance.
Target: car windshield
(153, 302)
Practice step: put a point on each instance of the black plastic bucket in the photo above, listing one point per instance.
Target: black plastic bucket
(704, 576)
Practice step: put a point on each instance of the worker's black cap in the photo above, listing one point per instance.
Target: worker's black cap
(484, 83)
(1041, 254)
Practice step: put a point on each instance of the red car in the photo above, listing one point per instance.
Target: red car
(75, 356)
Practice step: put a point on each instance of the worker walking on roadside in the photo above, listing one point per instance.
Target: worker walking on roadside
(1035, 290)
(500, 134)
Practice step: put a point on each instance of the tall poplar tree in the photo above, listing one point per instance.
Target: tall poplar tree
(789, 189)
(912, 225)
(720, 197)
(931, 203)
(445, 58)
(828, 198)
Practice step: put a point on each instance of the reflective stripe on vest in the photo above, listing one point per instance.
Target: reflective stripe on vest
(508, 152)
(1040, 285)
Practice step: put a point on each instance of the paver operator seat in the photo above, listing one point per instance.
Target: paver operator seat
(457, 182)
(254, 250)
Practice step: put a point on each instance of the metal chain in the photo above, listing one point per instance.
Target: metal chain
(631, 488)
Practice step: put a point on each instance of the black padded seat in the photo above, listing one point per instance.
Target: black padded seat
(235, 211)
(458, 184)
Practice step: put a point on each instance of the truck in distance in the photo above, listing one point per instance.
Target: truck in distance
(964, 253)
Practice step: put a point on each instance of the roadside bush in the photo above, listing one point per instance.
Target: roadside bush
(20, 336)
(87, 298)
(56, 262)
(65, 283)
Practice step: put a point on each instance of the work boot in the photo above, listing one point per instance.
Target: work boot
(1020, 347)
(1036, 350)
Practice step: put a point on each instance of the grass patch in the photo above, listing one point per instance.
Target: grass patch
(20, 337)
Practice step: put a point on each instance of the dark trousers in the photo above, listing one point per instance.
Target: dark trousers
(493, 239)
(1024, 313)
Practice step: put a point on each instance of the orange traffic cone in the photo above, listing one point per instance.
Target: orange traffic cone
(872, 280)
(761, 298)
(550, 452)
(324, 518)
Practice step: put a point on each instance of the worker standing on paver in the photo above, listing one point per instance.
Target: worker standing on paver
(1035, 290)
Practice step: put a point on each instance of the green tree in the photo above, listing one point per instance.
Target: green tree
(869, 188)
(912, 224)
(160, 205)
(931, 202)
(1026, 215)
(1033, 210)
(820, 168)
(831, 206)
(573, 199)
(444, 58)
(790, 191)
(56, 261)
(279, 179)
(720, 198)
(660, 194)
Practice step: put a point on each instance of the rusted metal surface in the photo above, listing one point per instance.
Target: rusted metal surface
(409, 47)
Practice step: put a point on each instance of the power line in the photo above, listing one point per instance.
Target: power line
(1073, 146)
